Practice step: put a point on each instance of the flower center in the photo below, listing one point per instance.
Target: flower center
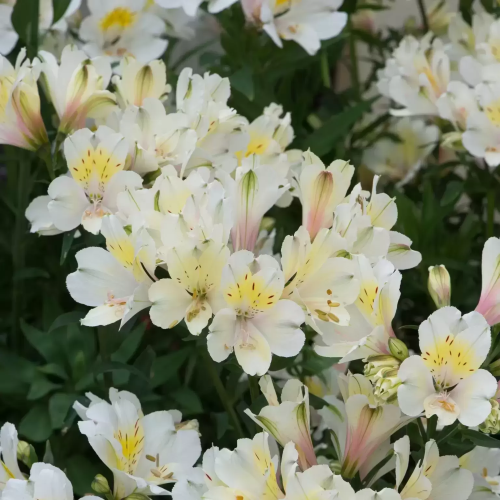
(119, 17)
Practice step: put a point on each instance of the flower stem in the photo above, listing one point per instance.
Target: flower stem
(254, 387)
(325, 69)
(422, 430)
(490, 197)
(105, 355)
(19, 249)
(221, 391)
(423, 14)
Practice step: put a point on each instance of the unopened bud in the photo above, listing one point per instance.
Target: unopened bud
(385, 390)
(377, 366)
(100, 485)
(188, 425)
(492, 424)
(398, 349)
(26, 453)
(439, 286)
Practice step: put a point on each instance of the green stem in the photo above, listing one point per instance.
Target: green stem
(354, 60)
(221, 391)
(422, 430)
(423, 15)
(254, 387)
(325, 69)
(490, 197)
(105, 355)
(19, 249)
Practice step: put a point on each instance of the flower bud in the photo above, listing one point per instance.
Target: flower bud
(398, 349)
(188, 425)
(100, 485)
(385, 390)
(439, 286)
(137, 496)
(377, 366)
(492, 424)
(26, 453)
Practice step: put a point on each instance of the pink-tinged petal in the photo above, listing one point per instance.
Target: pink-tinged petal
(489, 302)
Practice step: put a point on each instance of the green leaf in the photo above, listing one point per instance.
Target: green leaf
(54, 369)
(279, 363)
(324, 139)
(188, 400)
(242, 81)
(40, 388)
(68, 237)
(48, 456)
(21, 19)
(480, 439)
(453, 191)
(59, 405)
(35, 425)
(67, 319)
(221, 423)
(60, 7)
(41, 341)
(111, 366)
(130, 345)
(81, 472)
(165, 367)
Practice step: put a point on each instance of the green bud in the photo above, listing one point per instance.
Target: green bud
(398, 349)
(492, 424)
(100, 485)
(26, 453)
(385, 389)
(439, 285)
(137, 496)
(376, 366)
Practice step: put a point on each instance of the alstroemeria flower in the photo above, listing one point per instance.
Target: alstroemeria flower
(122, 27)
(434, 477)
(255, 323)
(484, 463)
(9, 468)
(144, 452)
(257, 188)
(489, 302)
(359, 427)
(319, 281)
(114, 282)
(95, 162)
(371, 315)
(321, 190)
(193, 290)
(77, 87)
(39, 217)
(290, 420)
(248, 472)
(45, 481)
(21, 123)
(445, 380)
(138, 81)
(191, 6)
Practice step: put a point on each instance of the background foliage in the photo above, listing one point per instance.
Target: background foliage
(47, 359)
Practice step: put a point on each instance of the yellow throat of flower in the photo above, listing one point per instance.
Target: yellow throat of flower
(120, 17)
(492, 111)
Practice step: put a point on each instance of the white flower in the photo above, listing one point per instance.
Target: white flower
(435, 477)
(321, 190)
(457, 103)
(445, 380)
(371, 315)
(192, 292)
(143, 451)
(121, 27)
(114, 282)
(255, 323)
(249, 471)
(305, 22)
(39, 217)
(316, 279)
(77, 87)
(484, 463)
(21, 123)
(255, 190)
(191, 6)
(416, 75)
(401, 160)
(45, 481)
(95, 162)
(9, 468)
(489, 302)
(360, 429)
(288, 421)
(139, 81)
